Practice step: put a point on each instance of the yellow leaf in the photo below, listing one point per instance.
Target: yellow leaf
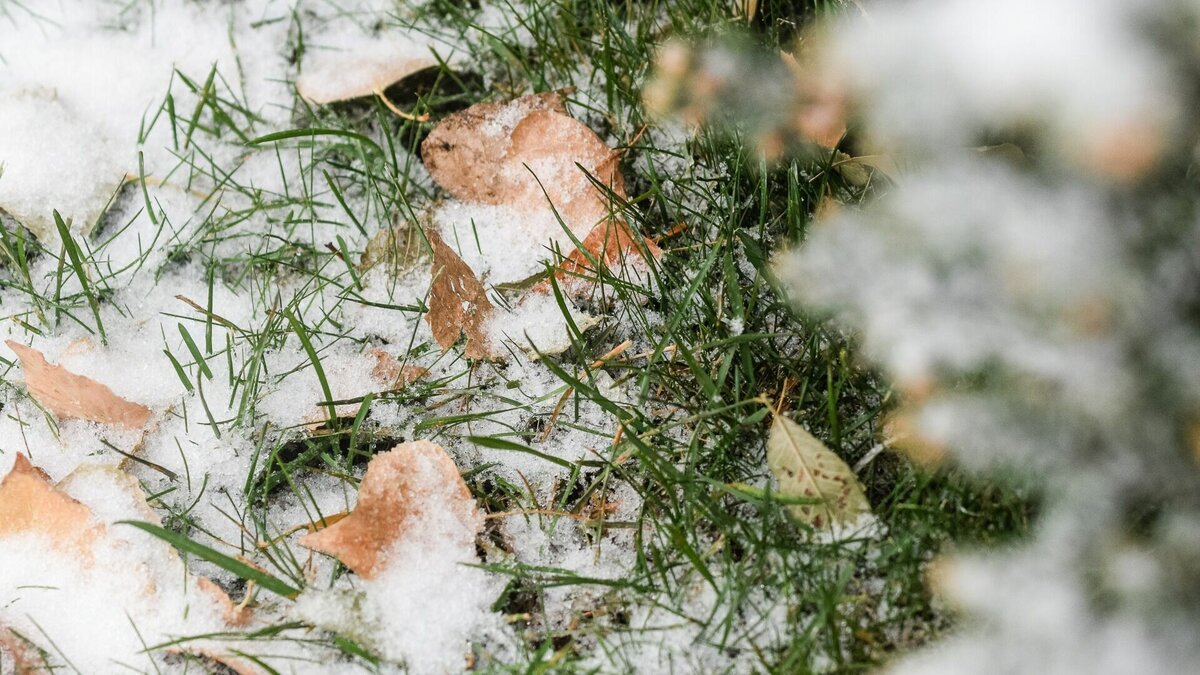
(806, 469)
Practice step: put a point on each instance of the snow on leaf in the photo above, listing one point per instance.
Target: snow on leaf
(18, 654)
(400, 488)
(458, 302)
(72, 396)
(389, 371)
(30, 504)
(806, 469)
(531, 156)
(74, 539)
(465, 153)
(332, 76)
(547, 159)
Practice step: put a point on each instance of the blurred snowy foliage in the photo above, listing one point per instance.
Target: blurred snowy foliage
(1038, 313)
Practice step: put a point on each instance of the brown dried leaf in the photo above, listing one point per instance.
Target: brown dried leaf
(465, 152)
(544, 161)
(458, 302)
(234, 614)
(30, 504)
(72, 396)
(349, 75)
(19, 655)
(400, 487)
(389, 371)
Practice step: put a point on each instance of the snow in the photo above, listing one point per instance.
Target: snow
(106, 605)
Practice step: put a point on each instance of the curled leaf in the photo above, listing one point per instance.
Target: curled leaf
(807, 470)
(458, 302)
(72, 396)
(332, 76)
(400, 488)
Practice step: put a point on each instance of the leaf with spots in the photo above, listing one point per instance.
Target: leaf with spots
(458, 303)
(809, 471)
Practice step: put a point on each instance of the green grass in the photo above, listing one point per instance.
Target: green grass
(717, 332)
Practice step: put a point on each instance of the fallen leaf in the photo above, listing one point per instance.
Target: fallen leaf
(546, 161)
(806, 469)
(17, 655)
(332, 76)
(389, 371)
(399, 247)
(399, 488)
(72, 396)
(465, 153)
(531, 156)
(30, 504)
(458, 302)
(234, 614)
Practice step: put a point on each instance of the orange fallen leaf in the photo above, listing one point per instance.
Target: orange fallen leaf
(30, 504)
(234, 614)
(389, 371)
(20, 654)
(72, 396)
(343, 76)
(400, 488)
(458, 302)
(546, 161)
(465, 153)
